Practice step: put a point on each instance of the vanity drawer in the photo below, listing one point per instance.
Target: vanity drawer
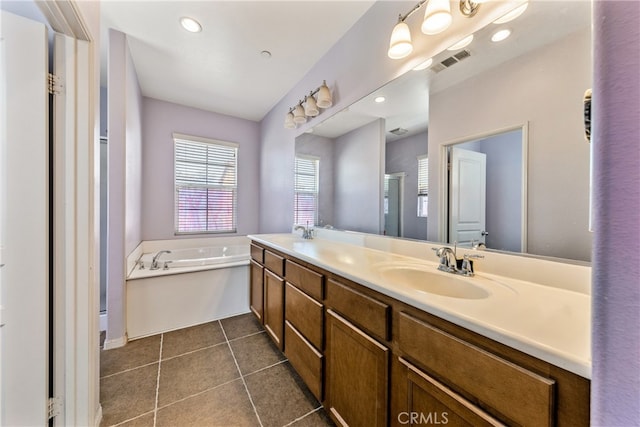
(274, 262)
(305, 313)
(361, 309)
(305, 279)
(522, 396)
(305, 359)
(257, 253)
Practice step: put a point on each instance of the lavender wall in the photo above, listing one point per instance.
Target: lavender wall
(616, 256)
(124, 177)
(358, 159)
(402, 156)
(160, 120)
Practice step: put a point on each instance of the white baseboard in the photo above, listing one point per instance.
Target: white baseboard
(98, 418)
(118, 342)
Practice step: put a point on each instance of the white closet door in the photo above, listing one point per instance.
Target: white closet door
(467, 197)
(24, 188)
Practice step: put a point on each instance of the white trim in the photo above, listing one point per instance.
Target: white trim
(191, 138)
(118, 342)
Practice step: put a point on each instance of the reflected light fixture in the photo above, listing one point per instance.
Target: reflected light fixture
(309, 106)
(510, 16)
(190, 24)
(500, 35)
(462, 43)
(437, 18)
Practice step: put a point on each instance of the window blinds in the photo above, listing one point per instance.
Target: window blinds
(306, 190)
(205, 185)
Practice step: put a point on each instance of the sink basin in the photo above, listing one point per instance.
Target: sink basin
(426, 279)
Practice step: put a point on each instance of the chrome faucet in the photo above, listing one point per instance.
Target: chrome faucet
(154, 262)
(307, 232)
(450, 263)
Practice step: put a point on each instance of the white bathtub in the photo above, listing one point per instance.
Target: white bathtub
(205, 280)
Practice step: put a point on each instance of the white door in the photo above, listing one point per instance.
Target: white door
(467, 196)
(24, 188)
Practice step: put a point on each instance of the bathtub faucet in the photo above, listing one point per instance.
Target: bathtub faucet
(154, 262)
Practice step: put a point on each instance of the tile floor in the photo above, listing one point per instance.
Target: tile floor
(224, 373)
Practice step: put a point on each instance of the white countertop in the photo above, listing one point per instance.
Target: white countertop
(550, 323)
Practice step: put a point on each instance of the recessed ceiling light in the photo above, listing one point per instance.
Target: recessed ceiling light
(265, 54)
(423, 65)
(498, 36)
(379, 99)
(462, 43)
(190, 24)
(510, 16)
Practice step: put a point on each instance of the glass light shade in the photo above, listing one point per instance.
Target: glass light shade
(288, 121)
(462, 43)
(324, 96)
(400, 43)
(437, 17)
(510, 16)
(298, 114)
(310, 107)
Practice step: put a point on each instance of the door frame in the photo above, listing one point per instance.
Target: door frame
(76, 223)
(443, 199)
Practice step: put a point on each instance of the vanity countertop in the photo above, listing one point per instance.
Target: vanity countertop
(550, 323)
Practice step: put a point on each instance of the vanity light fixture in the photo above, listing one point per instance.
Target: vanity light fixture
(462, 43)
(309, 106)
(500, 35)
(190, 24)
(437, 18)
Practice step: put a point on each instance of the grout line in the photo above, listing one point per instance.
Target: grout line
(304, 416)
(155, 406)
(195, 351)
(199, 393)
(255, 410)
(265, 368)
(128, 370)
(131, 419)
(247, 336)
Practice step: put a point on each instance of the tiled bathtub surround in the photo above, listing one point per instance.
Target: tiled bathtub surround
(222, 373)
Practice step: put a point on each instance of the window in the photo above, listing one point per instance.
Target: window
(306, 190)
(423, 185)
(205, 185)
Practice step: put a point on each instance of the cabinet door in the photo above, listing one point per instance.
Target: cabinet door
(431, 402)
(357, 375)
(274, 307)
(256, 294)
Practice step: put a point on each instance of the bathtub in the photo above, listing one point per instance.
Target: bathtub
(204, 280)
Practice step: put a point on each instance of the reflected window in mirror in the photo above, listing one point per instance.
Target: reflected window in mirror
(423, 186)
(306, 190)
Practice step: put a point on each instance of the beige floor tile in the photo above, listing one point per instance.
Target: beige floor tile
(145, 420)
(279, 395)
(227, 405)
(255, 352)
(240, 326)
(128, 394)
(134, 354)
(318, 418)
(195, 372)
(189, 339)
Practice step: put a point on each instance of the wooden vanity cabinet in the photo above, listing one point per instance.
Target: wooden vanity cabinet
(357, 375)
(256, 282)
(274, 297)
(372, 360)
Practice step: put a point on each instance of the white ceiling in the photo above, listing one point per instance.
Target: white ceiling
(221, 69)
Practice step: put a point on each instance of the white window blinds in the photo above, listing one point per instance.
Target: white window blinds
(205, 185)
(306, 190)
(423, 185)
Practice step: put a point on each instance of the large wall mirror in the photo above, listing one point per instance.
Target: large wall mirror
(385, 167)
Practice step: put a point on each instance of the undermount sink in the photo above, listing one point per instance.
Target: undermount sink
(426, 279)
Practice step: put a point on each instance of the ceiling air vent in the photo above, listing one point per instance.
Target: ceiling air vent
(448, 62)
(398, 131)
